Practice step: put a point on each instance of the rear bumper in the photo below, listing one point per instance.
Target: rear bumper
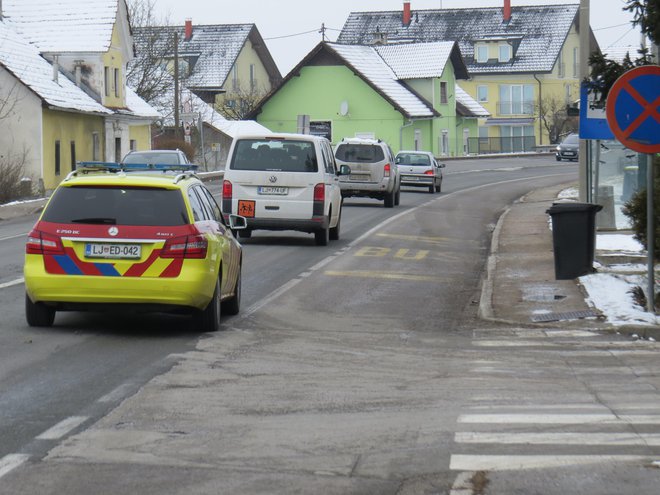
(417, 180)
(368, 189)
(310, 225)
(193, 288)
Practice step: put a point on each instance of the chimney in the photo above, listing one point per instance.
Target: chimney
(56, 69)
(189, 30)
(406, 14)
(507, 10)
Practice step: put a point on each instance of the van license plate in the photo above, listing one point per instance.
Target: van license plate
(276, 191)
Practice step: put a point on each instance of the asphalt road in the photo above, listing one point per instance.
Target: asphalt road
(378, 279)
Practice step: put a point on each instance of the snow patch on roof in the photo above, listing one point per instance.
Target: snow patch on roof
(417, 60)
(470, 103)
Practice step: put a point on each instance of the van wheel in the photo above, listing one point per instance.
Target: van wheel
(334, 231)
(208, 319)
(389, 199)
(245, 233)
(233, 306)
(38, 314)
(322, 237)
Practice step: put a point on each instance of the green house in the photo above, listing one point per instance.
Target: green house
(405, 94)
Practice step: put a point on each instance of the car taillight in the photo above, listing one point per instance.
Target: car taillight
(42, 243)
(387, 169)
(319, 200)
(227, 189)
(187, 246)
(227, 193)
(428, 172)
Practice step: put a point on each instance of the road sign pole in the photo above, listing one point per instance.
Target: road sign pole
(650, 234)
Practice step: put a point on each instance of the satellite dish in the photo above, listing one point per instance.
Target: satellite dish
(343, 108)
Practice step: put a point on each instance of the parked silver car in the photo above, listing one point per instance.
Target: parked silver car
(420, 169)
(373, 173)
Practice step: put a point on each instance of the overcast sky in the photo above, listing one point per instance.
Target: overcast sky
(281, 22)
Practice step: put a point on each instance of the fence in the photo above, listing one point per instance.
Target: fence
(482, 146)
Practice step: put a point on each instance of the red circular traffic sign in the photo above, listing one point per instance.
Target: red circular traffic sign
(633, 109)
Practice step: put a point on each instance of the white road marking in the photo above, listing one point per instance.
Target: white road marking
(575, 438)
(516, 462)
(18, 281)
(462, 484)
(11, 462)
(62, 428)
(272, 296)
(13, 237)
(117, 393)
(560, 419)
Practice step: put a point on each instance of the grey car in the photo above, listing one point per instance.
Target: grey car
(568, 148)
(420, 169)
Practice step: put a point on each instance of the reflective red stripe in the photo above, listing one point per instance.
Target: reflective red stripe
(173, 269)
(138, 269)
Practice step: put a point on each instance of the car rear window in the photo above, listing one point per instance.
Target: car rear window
(413, 159)
(152, 158)
(364, 153)
(117, 206)
(274, 155)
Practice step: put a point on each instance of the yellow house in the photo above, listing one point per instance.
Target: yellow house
(522, 61)
(62, 73)
(226, 65)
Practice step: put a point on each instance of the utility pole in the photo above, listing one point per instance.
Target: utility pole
(322, 31)
(650, 217)
(176, 85)
(583, 19)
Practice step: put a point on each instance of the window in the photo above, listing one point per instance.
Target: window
(505, 53)
(73, 155)
(266, 154)
(444, 143)
(516, 99)
(443, 92)
(560, 64)
(517, 138)
(568, 90)
(253, 81)
(116, 82)
(418, 139)
(576, 62)
(57, 158)
(481, 53)
(483, 132)
(106, 80)
(133, 145)
(196, 206)
(482, 93)
(96, 146)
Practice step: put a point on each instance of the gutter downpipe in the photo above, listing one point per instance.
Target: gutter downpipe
(540, 103)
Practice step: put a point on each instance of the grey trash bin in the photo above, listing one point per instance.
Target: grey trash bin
(573, 238)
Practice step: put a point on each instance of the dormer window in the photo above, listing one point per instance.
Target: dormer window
(504, 53)
(481, 53)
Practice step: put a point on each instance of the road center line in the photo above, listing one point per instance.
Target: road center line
(11, 462)
(62, 428)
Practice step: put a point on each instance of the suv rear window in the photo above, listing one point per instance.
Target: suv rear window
(117, 206)
(364, 153)
(413, 159)
(275, 155)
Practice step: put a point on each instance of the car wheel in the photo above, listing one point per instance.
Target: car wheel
(233, 306)
(397, 198)
(245, 233)
(432, 188)
(38, 314)
(208, 319)
(389, 199)
(322, 236)
(438, 188)
(334, 231)
(558, 158)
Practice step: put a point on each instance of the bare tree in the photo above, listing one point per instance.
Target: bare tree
(555, 120)
(146, 73)
(240, 102)
(12, 161)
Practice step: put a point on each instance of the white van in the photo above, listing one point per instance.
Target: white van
(284, 182)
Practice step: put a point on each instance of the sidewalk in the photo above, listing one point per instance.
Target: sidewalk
(520, 286)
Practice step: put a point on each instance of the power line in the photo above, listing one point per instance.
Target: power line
(322, 31)
(611, 27)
